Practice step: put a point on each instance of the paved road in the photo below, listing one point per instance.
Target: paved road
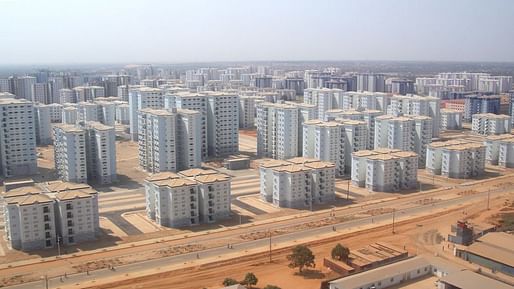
(400, 214)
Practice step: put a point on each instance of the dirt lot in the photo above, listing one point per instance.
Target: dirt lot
(419, 236)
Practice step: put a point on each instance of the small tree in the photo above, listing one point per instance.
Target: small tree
(250, 280)
(301, 257)
(340, 252)
(271, 287)
(229, 282)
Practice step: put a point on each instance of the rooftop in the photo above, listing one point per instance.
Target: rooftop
(73, 194)
(496, 246)
(29, 199)
(470, 280)
(175, 183)
(212, 178)
(162, 176)
(197, 172)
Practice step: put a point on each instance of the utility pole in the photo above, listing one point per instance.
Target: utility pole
(58, 246)
(46, 281)
(270, 246)
(394, 210)
(488, 197)
(348, 190)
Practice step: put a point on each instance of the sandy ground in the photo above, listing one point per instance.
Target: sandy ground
(421, 236)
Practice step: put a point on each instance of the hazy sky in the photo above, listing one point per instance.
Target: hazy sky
(130, 31)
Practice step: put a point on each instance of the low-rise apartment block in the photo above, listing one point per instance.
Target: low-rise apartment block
(456, 159)
(385, 170)
(297, 183)
(451, 119)
(500, 150)
(488, 124)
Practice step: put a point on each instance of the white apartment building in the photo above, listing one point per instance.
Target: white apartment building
(350, 114)
(24, 87)
(488, 124)
(67, 96)
(371, 82)
(456, 159)
(451, 119)
(55, 112)
(70, 115)
(29, 219)
(191, 197)
(356, 139)
(17, 138)
(157, 140)
(169, 140)
(324, 99)
(499, 150)
(299, 183)
(364, 100)
(247, 111)
(369, 117)
(123, 114)
(39, 216)
(385, 170)
(196, 102)
(172, 201)
(101, 153)
(70, 153)
(325, 141)
(189, 139)
(277, 130)
(88, 93)
(106, 112)
(41, 93)
(306, 112)
(222, 124)
(43, 124)
(88, 111)
(140, 98)
(77, 216)
(408, 133)
(417, 105)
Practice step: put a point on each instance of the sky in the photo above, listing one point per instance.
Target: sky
(151, 31)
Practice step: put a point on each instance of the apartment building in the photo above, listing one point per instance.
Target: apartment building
(41, 215)
(499, 150)
(247, 113)
(408, 133)
(43, 124)
(88, 93)
(297, 183)
(323, 98)
(489, 124)
(100, 153)
(478, 104)
(55, 112)
(385, 170)
(70, 115)
(451, 119)
(306, 112)
(222, 124)
(364, 100)
(140, 98)
(70, 153)
(17, 138)
(356, 139)
(456, 159)
(189, 198)
(169, 140)
(417, 105)
(277, 130)
(325, 141)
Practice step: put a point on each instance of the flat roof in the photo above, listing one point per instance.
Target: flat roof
(380, 273)
(470, 280)
(496, 246)
(69, 127)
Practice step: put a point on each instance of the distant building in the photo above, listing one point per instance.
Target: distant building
(417, 105)
(490, 124)
(101, 153)
(451, 119)
(43, 124)
(140, 98)
(371, 82)
(70, 153)
(402, 86)
(477, 104)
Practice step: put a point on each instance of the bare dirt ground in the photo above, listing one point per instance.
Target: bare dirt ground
(422, 235)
